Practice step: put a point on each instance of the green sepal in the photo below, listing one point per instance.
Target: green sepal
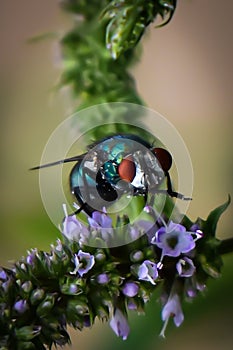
(26, 346)
(46, 306)
(27, 333)
(37, 295)
(27, 287)
(76, 308)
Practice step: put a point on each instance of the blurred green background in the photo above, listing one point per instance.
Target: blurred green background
(185, 74)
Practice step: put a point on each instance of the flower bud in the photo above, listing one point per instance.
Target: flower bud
(36, 296)
(27, 286)
(21, 306)
(136, 256)
(45, 306)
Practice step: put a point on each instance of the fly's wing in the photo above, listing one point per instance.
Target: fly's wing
(149, 173)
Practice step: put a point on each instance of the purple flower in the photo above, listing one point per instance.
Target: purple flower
(119, 324)
(21, 306)
(148, 271)
(100, 220)
(185, 267)
(101, 223)
(83, 263)
(172, 308)
(130, 289)
(173, 240)
(73, 229)
(3, 275)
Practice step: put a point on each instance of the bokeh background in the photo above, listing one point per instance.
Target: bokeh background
(186, 74)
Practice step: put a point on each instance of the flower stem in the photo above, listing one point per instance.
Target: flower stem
(226, 246)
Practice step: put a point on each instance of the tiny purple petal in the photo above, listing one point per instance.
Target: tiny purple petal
(3, 275)
(192, 287)
(194, 227)
(21, 306)
(148, 271)
(73, 288)
(190, 291)
(119, 324)
(131, 305)
(100, 220)
(173, 309)
(130, 289)
(200, 286)
(58, 247)
(31, 257)
(73, 228)
(185, 267)
(83, 262)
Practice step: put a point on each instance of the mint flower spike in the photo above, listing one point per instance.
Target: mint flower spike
(79, 283)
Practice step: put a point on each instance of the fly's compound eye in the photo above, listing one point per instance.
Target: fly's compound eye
(127, 169)
(164, 158)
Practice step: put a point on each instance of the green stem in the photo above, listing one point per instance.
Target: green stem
(226, 246)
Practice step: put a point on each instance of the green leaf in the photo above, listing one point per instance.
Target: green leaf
(211, 222)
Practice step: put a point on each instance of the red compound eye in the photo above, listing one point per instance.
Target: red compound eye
(164, 158)
(127, 169)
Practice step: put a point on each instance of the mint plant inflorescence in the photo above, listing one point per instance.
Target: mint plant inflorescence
(85, 276)
(75, 283)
